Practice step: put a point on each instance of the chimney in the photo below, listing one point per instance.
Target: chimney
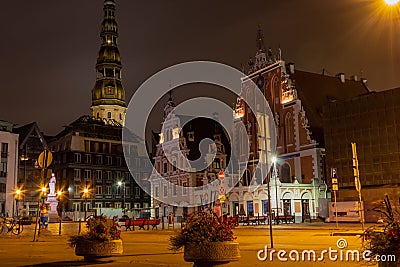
(341, 77)
(291, 68)
(354, 78)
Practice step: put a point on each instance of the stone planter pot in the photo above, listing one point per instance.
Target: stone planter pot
(389, 264)
(213, 254)
(92, 250)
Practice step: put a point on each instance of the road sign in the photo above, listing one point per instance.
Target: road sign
(45, 159)
(221, 190)
(334, 181)
(222, 198)
(335, 187)
(221, 175)
(333, 172)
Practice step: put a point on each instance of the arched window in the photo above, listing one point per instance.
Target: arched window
(109, 115)
(288, 129)
(285, 171)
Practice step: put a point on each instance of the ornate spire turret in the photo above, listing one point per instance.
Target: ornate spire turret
(260, 40)
(108, 94)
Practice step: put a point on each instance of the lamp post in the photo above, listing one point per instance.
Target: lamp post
(85, 193)
(120, 183)
(59, 196)
(273, 159)
(17, 196)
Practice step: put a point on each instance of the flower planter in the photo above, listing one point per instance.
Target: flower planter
(214, 253)
(94, 249)
(388, 264)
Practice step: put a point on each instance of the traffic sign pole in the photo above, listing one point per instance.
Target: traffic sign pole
(335, 188)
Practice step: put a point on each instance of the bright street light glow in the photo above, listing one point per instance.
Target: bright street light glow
(85, 190)
(44, 189)
(18, 192)
(391, 2)
(119, 183)
(59, 193)
(273, 159)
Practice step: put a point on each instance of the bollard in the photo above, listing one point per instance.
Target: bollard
(162, 222)
(59, 228)
(79, 226)
(133, 223)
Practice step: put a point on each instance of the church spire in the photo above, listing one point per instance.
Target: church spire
(108, 94)
(260, 40)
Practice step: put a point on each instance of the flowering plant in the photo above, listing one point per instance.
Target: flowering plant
(384, 239)
(99, 228)
(202, 228)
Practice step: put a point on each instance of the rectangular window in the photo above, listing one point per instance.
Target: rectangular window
(88, 159)
(99, 175)
(174, 189)
(119, 161)
(4, 150)
(109, 175)
(77, 158)
(77, 174)
(99, 159)
(165, 190)
(109, 160)
(99, 190)
(137, 192)
(265, 207)
(76, 206)
(98, 205)
(250, 208)
(156, 193)
(184, 188)
(127, 191)
(77, 189)
(165, 169)
(108, 190)
(2, 188)
(88, 174)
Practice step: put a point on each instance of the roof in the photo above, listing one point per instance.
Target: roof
(28, 130)
(316, 90)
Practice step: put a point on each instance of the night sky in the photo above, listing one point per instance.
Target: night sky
(49, 48)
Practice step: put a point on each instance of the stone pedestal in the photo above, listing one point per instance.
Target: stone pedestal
(53, 214)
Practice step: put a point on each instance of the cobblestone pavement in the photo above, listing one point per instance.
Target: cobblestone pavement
(150, 247)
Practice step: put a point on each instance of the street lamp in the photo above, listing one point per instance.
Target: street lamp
(120, 183)
(273, 160)
(17, 197)
(85, 195)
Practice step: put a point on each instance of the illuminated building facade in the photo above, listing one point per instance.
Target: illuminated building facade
(296, 99)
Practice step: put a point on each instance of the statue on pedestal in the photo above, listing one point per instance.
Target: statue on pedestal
(52, 199)
(52, 185)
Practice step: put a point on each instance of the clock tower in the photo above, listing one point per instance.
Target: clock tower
(108, 94)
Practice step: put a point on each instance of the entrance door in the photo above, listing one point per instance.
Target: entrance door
(287, 207)
(235, 208)
(305, 210)
(250, 208)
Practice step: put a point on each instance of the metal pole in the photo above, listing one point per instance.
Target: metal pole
(276, 190)
(59, 228)
(358, 184)
(270, 213)
(336, 217)
(85, 207)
